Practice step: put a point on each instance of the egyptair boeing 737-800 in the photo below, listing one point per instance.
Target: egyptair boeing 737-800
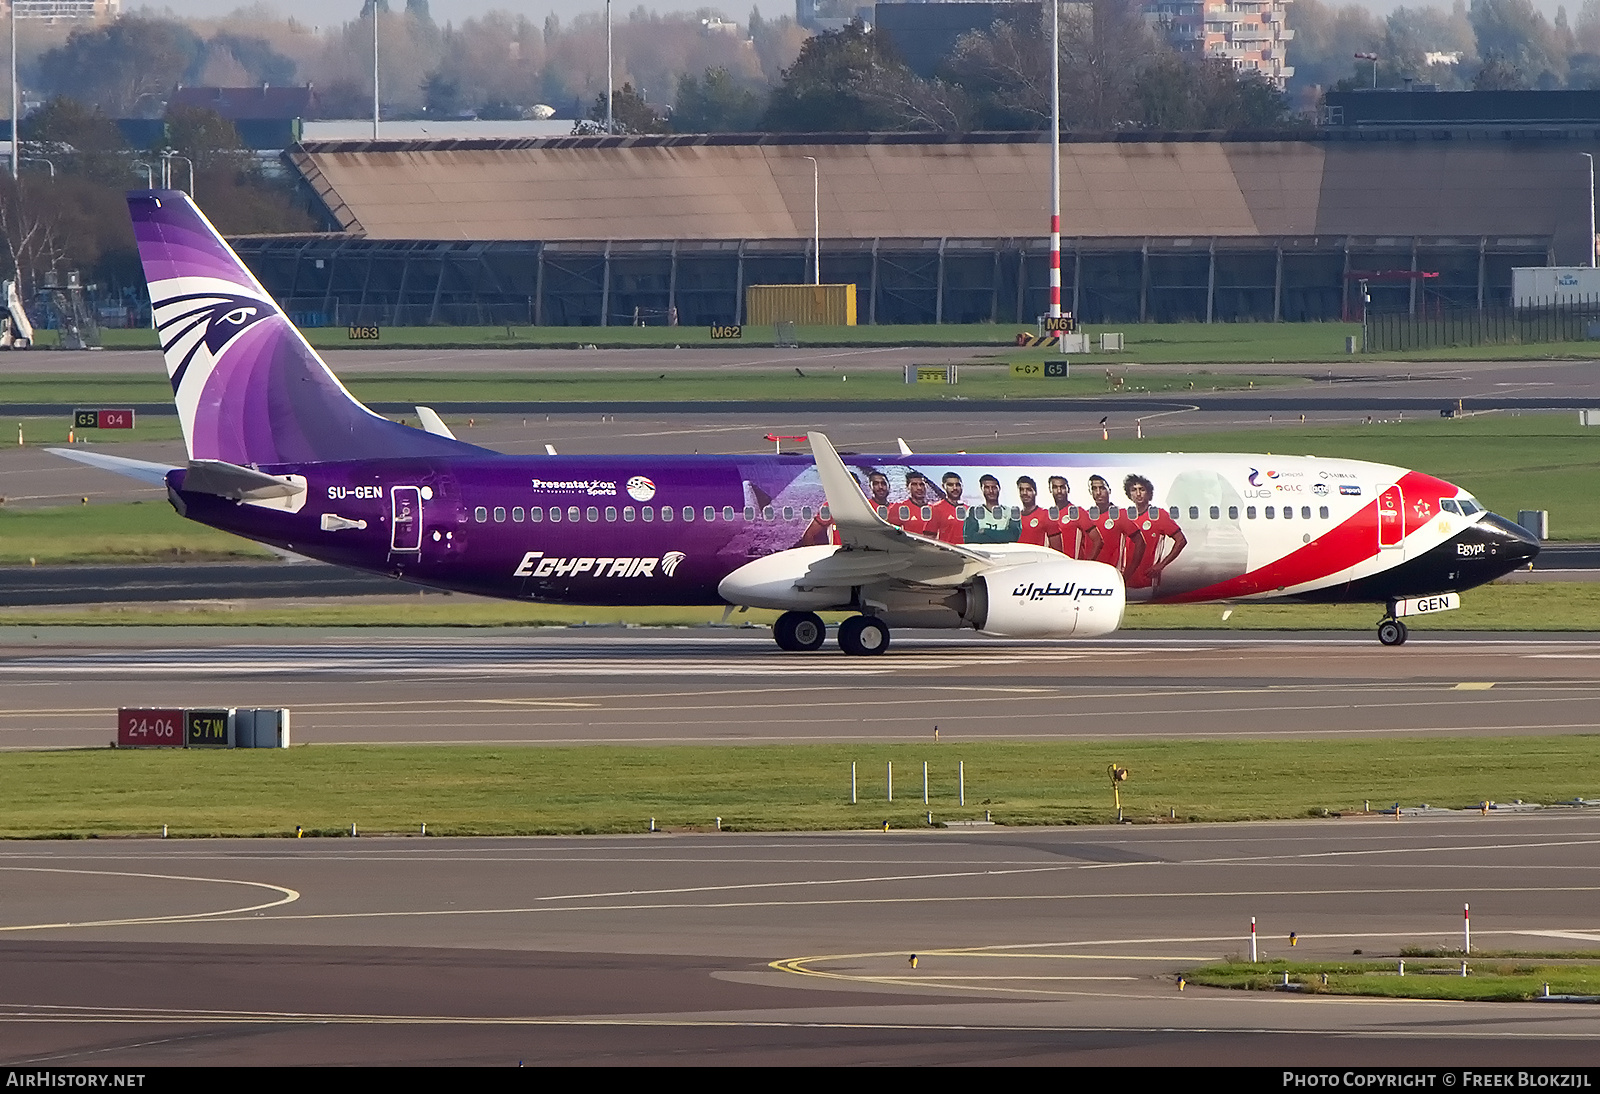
(1036, 546)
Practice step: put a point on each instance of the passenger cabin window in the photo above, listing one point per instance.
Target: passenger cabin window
(1288, 512)
(824, 514)
(647, 514)
(516, 515)
(961, 512)
(572, 513)
(788, 512)
(555, 514)
(1269, 512)
(628, 513)
(749, 512)
(592, 515)
(688, 512)
(710, 512)
(480, 514)
(611, 512)
(1250, 512)
(766, 512)
(499, 514)
(883, 511)
(727, 512)
(1194, 512)
(536, 514)
(1323, 512)
(1216, 512)
(1233, 512)
(1072, 512)
(1305, 512)
(666, 514)
(927, 512)
(1176, 512)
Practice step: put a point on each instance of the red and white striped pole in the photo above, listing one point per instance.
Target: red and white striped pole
(1055, 159)
(1252, 940)
(1466, 928)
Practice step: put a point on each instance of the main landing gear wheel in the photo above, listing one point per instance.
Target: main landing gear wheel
(1392, 632)
(862, 635)
(799, 632)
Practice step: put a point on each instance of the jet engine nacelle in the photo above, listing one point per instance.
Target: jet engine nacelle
(1065, 599)
(779, 581)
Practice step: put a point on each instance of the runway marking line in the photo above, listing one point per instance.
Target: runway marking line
(1484, 686)
(289, 896)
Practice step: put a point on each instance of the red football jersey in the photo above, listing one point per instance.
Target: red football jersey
(1037, 527)
(1074, 531)
(948, 522)
(908, 515)
(1150, 526)
(1113, 531)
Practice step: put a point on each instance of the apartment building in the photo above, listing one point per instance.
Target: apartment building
(53, 11)
(1252, 35)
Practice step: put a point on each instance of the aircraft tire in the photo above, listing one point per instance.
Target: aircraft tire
(1392, 632)
(799, 632)
(863, 636)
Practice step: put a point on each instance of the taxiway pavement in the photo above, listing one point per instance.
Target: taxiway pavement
(1034, 946)
(61, 686)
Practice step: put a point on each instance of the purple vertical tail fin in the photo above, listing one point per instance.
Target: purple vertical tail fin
(249, 388)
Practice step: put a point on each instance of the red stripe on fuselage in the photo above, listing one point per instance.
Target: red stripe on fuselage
(1352, 542)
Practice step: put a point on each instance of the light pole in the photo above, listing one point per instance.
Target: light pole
(1373, 57)
(14, 112)
(816, 218)
(1590, 158)
(149, 173)
(1055, 159)
(374, 69)
(166, 160)
(610, 95)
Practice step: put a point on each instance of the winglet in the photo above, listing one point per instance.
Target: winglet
(849, 507)
(905, 449)
(432, 423)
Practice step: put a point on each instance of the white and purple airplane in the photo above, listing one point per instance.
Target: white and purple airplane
(1032, 546)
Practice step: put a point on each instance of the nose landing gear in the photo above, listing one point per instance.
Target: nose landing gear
(1391, 632)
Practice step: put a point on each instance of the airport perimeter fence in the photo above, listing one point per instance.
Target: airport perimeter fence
(1539, 322)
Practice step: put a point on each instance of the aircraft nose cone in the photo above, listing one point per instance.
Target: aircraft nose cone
(1514, 544)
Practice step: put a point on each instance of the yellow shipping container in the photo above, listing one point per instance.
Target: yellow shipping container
(804, 305)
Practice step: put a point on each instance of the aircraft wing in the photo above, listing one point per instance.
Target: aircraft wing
(872, 549)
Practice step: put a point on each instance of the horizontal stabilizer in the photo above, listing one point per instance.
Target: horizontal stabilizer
(143, 470)
(228, 480)
(433, 423)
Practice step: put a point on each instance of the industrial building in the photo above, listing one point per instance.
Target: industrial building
(929, 227)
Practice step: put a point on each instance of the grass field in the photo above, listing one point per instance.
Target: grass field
(139, 531)
(471, 789)
(1488, 979)
(1552, 607)
(1160, 343)
(1199, 342)
(822, 384)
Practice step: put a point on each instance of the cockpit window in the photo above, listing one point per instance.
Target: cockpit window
(1469, 507)
(1449, 506)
